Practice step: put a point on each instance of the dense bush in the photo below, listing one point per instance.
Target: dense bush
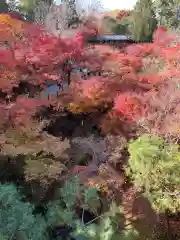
(154, 169)
(17, 219)
(109, 224)
(122, 27)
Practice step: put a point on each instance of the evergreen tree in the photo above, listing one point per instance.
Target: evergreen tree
(62, 213)
(143, 21)
(18, 221)
(154, 167)
(16, 217)
(29, 6)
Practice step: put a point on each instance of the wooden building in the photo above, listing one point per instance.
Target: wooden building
(115, 40)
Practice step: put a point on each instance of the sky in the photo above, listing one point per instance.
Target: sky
(118, 4)
(115, 4)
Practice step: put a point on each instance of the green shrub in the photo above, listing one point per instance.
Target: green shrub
(63, 212)
(17, 219)
(122, 27)
(154, 167)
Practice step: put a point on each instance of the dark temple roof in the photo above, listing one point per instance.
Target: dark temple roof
(111, 38)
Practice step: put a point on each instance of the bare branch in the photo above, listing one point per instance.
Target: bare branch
(89, 8)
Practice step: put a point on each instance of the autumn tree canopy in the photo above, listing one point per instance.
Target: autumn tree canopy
(127, 92)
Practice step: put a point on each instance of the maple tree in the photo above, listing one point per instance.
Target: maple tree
(129, 92)
(128, 79)
(32, 57)
(122, 14)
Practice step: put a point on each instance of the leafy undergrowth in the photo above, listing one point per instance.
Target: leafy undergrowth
(136, 92)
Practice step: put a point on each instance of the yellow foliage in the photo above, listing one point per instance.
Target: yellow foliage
(81, 107)
(74, 108)
(101, 186)
(5, 18)
(9, 27)
(102, 171)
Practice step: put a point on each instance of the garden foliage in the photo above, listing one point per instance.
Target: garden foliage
(167, 12)
(118, 25)
(30, 58)
(137, 92)
(17, 219)
(109, 223)
(143, 22)
(154, 169)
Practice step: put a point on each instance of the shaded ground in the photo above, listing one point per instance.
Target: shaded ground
(138, 211)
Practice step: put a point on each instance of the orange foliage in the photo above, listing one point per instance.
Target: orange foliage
(129, 105)
(118, 14)
(5, 19)
(122, 14)
(140, 50)
(31, 55)
(127, 78)
(8, 80)
(10, 28)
